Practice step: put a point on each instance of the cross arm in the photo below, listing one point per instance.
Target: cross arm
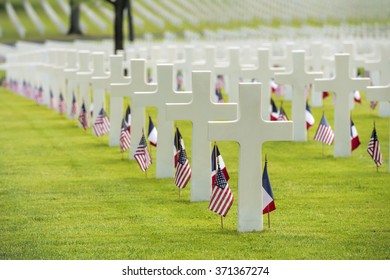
(378, 93)
(361, 83)
(325, 84)
(225, 111)
(119, 90)
(179, 111)
(223, 131)
(278, 131)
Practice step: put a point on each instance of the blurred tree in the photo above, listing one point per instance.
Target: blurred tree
(119, 7)
(74, 19)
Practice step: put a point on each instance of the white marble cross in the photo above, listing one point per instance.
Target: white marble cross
(98, 71)
(120, 90)
(382, 66)
(314, 63)
(165, 93)
(57, 79)
(201, 110)
(298, 78)
(231, 72)
(342, 85)
(70, 75)
(263, 73)
(250, 131)
(83, 77)
(185, 65)
(379, 93)
(102, 80)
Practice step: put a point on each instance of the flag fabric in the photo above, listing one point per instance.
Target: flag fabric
(73, 111)
(325, 94)
(216, 158)
(273, 85)
(124, 139)
(355, 142)
(324, 132)
(128, 118)
(152, 134)
(102, 123)
(374, 148)
(373, 104)
(51, 104)
(83, 117)
(274, 111)
(221, 196)
(178, 143)
(268, 196)
(61, 104)
(282, 114)
(142, 155)
(183, 170)
(356, 96)
(309, 116)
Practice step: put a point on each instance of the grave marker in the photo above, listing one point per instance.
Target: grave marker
(379, 93)
(201, 110)
(158, 98)
(298, 78)
(137, 83)
(250, 131)
(381, 65)
(231, 72)
(342, 85)
(263, 73)
(102, 80)
(70, 72)
(83, 79)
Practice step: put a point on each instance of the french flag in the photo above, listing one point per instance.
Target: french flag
(268, 196)
(217, 158)
(274, 111)
(355, 142)
(152, 134)
(309, 116)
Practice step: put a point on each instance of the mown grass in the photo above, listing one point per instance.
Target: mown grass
(64, 194)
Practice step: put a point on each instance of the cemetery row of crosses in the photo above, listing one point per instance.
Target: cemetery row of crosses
(63, 79)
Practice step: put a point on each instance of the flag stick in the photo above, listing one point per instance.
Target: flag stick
(179, 193)
(221, 221)
(269, 219)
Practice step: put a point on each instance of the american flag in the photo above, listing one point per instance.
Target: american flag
(179, 142)
(102, 123)
(83, 117)
(221, 196)
(73, 112)
(268, 196)
(51, 100)
(373, 104)
(61, 104)
(141, 154)
(183, 170)
(324, 132)
(374, 148)
(124, 140)
(215, 158)
(355, 142)
(282, 114)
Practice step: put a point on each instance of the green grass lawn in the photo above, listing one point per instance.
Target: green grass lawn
(64, 194)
